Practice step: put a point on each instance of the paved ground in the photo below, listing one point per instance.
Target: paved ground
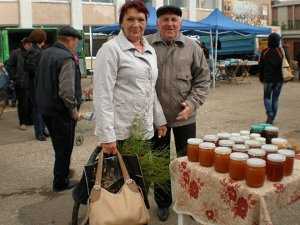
(26, 165)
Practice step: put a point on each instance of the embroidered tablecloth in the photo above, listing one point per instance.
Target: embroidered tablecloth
(212, 198)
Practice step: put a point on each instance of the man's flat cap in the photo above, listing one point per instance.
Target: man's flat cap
(69, 31)
(168, 9)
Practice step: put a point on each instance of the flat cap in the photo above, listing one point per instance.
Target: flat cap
(168, 9)
(69, 32)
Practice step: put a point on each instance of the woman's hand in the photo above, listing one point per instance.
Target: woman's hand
(162, 131)
(110, 148)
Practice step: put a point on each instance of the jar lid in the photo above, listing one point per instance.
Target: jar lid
(235, 134)
(245, 132)
(278, 141)
(255, 162)
(194, 141)
(272, 129)
(262, 140)
(276, 158)
(252, 143)
(240, 148)
(226, 143)
(257, 152)
(237, 140)
(246, 138)
(210, 138)
(239, 156)
(223, 150)
(270, 148)
(207, 145)
(223, 135)
(254, 135)
(287, 152)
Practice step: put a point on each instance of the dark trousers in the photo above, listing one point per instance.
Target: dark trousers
(162, 192)
(62, 131)
(23, 106)
(271, 96)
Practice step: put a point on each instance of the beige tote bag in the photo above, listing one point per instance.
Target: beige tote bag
(286, 69)
(126, 207)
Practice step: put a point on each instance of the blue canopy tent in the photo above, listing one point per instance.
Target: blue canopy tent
(219, 24)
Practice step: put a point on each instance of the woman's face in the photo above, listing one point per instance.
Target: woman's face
(134, 24)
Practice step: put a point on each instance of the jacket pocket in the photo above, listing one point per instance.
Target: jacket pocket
(184, 82)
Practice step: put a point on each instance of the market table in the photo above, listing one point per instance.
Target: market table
(212, 198)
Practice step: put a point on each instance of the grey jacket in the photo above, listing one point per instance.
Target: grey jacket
(183, 76)
(124, 89)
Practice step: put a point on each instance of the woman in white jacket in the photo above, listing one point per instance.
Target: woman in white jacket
(124, 82)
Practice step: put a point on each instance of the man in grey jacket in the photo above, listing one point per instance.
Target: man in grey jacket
(182, 86)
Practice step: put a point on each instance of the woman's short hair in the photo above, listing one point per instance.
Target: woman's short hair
(136, 4)
(38, 36)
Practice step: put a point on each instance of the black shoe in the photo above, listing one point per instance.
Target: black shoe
(46, 133)
(68, 186)
(163, 214)
(41, 138)
(269, 120)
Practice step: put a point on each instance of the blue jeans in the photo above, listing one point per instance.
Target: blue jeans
(271, 96)
(38, 123)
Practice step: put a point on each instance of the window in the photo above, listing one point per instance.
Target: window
(178, 3)
(101, 1)
(97, 42)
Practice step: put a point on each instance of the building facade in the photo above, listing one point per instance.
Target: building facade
(287, 15)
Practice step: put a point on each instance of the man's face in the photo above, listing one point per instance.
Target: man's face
(169, 26)
(73, 43)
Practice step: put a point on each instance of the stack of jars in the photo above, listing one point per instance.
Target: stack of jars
(245, 155)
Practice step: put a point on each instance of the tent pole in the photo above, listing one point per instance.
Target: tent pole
(91, 46)
(216, 58)
(211, 55)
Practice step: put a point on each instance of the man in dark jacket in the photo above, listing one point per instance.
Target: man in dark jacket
(271, 75)
(38, 38)
(15, 67)
(58, 99)
(298, 61)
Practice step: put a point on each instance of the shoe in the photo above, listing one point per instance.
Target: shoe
(71, 184)
(41, 138)
(163, 214)
(22, 127)
(269, 120)
(46, 133)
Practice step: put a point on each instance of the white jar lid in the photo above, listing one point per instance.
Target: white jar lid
(257, 152)
(207, 145)
(223, 135)
(269, 148)
(255, 162)
(223, 150)
(245, 132)
(210, 138)
(239, 156)
(237, 140)
(272, 129)
(278, 141)
(262, 140)
(287, 153)
(254, 135)
(240, 148)
(276, 157)
(226, 143)
(252, 143)
(194, 141)
(246, 138)
(235, 134)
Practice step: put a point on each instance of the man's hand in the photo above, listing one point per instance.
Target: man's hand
(185, 113)
(77, 116)
(162, 131)
(109, 148)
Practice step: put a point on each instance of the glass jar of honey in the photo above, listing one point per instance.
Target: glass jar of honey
(253, 144)
(206, 154)
(238, 140)
(211, 138)
(253, 136)
(261, 140)
(280, 142)
(237, 165)
(222, 158)
(223, 136)
(193, 149)
(270, 133)
(245, 132)
(275, 167)
(255, 172)
(289, 162)
(226, 143)
(240, 148)
(270, 149)
(257, 153)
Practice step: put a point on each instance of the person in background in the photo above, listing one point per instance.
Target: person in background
(182, 87)
(271, 75)
(15, 67)
(58, 96)
(298, 62)
(38, 38)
